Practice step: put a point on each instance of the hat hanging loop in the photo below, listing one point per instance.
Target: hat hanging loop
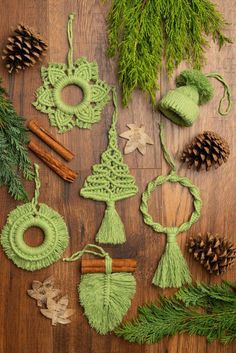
(226, 96)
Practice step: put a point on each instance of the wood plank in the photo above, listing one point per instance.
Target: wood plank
(23, 329)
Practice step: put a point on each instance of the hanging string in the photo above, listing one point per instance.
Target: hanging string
(70, 39)
(34, 201)
(115, 103)
(226, 96)
(79, 254)
(166, 153)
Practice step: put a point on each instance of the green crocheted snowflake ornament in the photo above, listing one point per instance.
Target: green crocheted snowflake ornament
(110, 182)
(81, 73)
(29, 215)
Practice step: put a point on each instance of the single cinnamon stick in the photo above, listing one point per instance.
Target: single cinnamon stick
(59, 168)
(98, 265)
(50, 140)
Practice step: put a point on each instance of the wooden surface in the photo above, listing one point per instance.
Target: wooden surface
(23, 329)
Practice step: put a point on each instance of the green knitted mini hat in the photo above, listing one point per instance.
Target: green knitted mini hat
(181, 105)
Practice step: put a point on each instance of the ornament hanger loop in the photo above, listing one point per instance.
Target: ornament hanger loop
(34, 201)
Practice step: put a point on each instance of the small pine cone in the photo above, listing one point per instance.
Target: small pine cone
(206, 150)
(215, 253)
(24, 49)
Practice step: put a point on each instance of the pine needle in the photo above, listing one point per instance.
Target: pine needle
(143, 32)
(204, 310)
(14, 160)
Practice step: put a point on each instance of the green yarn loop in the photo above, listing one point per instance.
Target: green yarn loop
(29, 215)
(80, 73)
(181, 105)
(172, 270)
(105, 297)
(110, 181)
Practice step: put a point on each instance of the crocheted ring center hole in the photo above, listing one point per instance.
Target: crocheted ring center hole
(72, 95)
(34, 236)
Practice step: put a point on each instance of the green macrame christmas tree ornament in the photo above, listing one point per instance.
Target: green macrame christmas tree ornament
(172, 270)
(14, 160)
(80, 73)
(203, 310)
(181, 105)
(143, 33)
(105, 297)
(29, 215)
(110, 182)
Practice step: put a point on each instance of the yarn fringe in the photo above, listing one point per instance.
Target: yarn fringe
(172, 270)
(37, 259)
(112, 229)
(113, 292)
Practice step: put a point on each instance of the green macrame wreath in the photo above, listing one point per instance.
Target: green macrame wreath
(29, 215)
(80, 73)
(172, 270)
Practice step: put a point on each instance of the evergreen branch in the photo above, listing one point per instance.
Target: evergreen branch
(202, 310)
(14, 159)
(143, 32)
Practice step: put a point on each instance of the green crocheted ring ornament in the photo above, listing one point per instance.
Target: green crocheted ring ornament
(81, 73)
(49, 221)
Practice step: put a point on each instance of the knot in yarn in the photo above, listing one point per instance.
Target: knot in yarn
(108, 264)
(171, 237)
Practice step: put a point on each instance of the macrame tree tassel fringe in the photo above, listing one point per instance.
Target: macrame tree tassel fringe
(112, 229)
(172, 269)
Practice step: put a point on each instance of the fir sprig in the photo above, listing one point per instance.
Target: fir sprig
(14, 159)
(204, 310)
(142, 32)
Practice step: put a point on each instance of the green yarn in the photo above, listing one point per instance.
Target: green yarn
(181, 105)
(110, 182)
(80, 73)
(172, 270)
(29, 215)
(105, 297)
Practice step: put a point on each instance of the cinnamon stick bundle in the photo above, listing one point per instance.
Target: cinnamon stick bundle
(50, 140)
(98, 265)
(59, 168)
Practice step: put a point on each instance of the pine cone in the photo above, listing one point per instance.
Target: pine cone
(215, 253)
(206, 150)
(24, 49)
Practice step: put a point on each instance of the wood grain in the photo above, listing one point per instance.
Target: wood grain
(23, 329)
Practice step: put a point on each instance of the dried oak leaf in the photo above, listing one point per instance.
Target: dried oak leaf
(57, 311)
(41, 291)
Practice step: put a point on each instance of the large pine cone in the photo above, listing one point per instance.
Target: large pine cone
(24, 49)
(207, 149)
(216, 254)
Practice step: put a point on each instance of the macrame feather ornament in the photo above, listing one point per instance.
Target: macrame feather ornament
(105, 297)
(34, 214)
(80, 73)
(172, 270)
(110, 182)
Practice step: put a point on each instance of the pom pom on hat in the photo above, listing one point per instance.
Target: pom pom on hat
(197, 79)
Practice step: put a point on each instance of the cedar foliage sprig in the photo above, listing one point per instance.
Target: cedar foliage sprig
(204, 310)
(142, 32)
(14, 160)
